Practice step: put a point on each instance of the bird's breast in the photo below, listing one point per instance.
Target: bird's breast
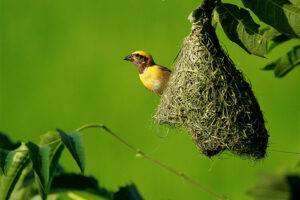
(155, 79)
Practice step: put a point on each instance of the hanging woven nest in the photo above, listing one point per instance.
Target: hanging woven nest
(210, 98)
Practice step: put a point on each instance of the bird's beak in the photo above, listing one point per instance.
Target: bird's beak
(128, 58)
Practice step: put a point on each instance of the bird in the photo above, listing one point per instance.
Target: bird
(154, 77)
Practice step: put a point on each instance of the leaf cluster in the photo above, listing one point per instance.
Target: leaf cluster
(283, 184)
(279, 23)
(30, 171)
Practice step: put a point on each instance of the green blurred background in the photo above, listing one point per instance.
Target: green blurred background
(62, 66)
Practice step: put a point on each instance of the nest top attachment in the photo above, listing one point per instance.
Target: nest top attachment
(210, 98)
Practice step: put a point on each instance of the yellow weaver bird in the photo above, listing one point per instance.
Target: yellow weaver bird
(154, 77)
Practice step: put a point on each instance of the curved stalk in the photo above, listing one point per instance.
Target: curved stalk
(154, 160)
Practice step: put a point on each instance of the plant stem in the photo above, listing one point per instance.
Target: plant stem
(288, 152)
(161, 164)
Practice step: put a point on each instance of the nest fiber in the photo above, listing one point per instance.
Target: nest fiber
(210, 98)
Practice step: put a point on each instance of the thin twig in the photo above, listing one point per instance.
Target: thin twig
(289, 152)
(142, 154)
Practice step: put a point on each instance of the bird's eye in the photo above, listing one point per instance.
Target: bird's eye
(137, 55)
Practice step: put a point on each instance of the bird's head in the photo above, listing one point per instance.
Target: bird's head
(141, 59)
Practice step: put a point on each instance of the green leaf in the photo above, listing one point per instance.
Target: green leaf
(74, 144)
(269, 32)
(22, 193)
(71, 183)
(295, 2)
(28, 179)
(78, 182)
(8, 182)
(80, 195)
(280, 14)
(277, 41)
(50, 197)
(6, 160)
(270, 186)
(276, 185)
(39, 157)
(240, 28)
(6, 143)
(128, 192)
(53, 140)
(274, 38)
(285, 63)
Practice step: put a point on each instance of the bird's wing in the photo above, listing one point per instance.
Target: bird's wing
(164, 68)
